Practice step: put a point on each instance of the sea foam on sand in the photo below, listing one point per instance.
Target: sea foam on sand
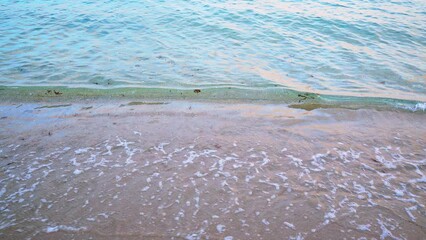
(210, 171)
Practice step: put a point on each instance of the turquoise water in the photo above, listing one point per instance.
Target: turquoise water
(352, 48)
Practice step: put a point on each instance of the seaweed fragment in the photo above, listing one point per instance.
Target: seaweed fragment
(306, 96)
(146, 103)
(143, 103)
(51, 92)
(53, 106)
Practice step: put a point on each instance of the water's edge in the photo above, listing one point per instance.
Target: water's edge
(294, 99)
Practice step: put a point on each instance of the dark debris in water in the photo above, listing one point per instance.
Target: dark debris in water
(306, 96)
(197, 90)
(53, 92)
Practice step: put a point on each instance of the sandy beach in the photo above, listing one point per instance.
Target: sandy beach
(197, 170)
(217, 120)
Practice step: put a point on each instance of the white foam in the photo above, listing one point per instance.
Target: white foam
(160, 147)
(409, 213)
(282, 176)
(2, 191)
(266, 159)
(418, 180)
(276, 185)
(331, 214)
(318, 161)
(52, 229)
(74, 162)
(297, 237)
(82, 150)
(239, 210)
(192, 155)
(382, 160)
(199, 174)
(386, 233)
(290, 225)
(220, 228)
(416, 107)
(363, 227)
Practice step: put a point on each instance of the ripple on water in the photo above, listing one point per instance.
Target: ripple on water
(356, 47)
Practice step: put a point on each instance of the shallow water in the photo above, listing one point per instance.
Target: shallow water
(358, 48)
(186, 170)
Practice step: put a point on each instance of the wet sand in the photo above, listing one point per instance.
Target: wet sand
(188, 170)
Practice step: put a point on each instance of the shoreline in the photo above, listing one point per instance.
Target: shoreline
(195, 170)
(272, 95)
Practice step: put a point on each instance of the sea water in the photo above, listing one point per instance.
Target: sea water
(359, 48)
